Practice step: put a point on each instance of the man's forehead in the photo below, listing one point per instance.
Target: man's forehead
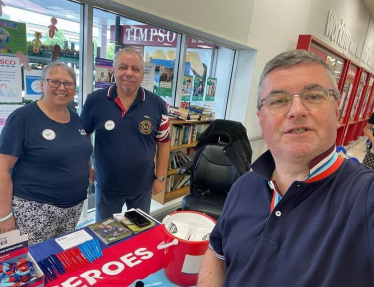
(129, 58)
(297, 77)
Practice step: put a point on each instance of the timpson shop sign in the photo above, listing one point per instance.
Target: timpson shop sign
(338, 33)
(147, 35)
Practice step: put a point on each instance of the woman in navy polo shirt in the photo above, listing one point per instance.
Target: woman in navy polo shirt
(44, 154)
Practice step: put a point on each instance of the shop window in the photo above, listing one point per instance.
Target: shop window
(207, 75)
(157, 46)
(46, 24)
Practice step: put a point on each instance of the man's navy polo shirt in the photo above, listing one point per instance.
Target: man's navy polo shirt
(125, 141)
(319, 234)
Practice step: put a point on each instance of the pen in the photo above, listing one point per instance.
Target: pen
(48, 270)
(47, 277)
(62, 261)
(58, 263)
(54, 265)
(81, 256)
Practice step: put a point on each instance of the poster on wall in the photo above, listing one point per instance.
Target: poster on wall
(166, 77)
(187, 88)
(10, 79)
(5, 111)
(104, 76)
(149, 76)
(12, 37)
(198, 89)
(211, 85)
(32, 84)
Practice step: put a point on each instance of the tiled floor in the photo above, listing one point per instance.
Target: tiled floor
(357, 149)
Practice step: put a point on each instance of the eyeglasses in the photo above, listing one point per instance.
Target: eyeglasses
(280, 102)
(56, 83)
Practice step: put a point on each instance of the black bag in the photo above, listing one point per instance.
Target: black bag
(369, 159)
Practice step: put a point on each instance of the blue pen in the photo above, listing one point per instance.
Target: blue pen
(54, 265)
(92, 249)
(88, 249)
(46, 274)
(58, 263)
(49, 268)
(47, 271)
(98, 248)
(84, 251)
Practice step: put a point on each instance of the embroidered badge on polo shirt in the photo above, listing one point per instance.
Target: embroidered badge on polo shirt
(109, 125)
(82, 132)
(145, 127)
(48, 134)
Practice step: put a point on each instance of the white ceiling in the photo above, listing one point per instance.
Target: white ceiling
(370, 5)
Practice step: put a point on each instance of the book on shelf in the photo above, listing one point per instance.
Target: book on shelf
(186, 133)
(183, 114)
(184, 180)
(120, 218)
(109, 230)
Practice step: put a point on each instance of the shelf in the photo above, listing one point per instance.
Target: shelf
(182, 122)
(169, 196)
(47, 60)
(175, 147)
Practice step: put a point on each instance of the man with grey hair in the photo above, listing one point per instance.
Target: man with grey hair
(130, 122)
(304, 216)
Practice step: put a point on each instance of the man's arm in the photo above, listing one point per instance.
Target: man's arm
(92, 171)
(162, 162)
(368, 132)
(212, 271)
(7, 163)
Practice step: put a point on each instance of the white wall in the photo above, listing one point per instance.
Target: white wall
(352, 12)
(226, 19)
(274, 28)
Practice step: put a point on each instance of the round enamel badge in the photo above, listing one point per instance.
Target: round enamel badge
(48, 134)
(109, 125)
(145, 127)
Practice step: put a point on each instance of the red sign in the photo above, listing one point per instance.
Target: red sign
(352, 72)
(147, 35)
(121, 265)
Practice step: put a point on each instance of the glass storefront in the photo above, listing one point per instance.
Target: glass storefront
(179, 68)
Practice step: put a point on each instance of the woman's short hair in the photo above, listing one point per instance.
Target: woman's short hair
(54, 65)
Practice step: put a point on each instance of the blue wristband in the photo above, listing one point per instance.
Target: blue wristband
(6, 217)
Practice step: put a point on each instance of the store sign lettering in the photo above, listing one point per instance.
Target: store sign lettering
(7, 62)
(339, 34)
(140, 34)
(148, 35)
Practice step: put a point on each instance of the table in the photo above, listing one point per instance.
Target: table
(124, 263)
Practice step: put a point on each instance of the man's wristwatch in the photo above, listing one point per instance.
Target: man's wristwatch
(161, 178)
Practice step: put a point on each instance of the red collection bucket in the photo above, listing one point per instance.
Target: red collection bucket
(183, 257)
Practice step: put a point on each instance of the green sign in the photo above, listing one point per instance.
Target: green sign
(198, 89)
(187, 88)
(166, 81)
(211, 85)
(12, 37)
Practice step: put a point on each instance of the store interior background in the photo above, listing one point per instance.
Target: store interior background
(256, 30)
